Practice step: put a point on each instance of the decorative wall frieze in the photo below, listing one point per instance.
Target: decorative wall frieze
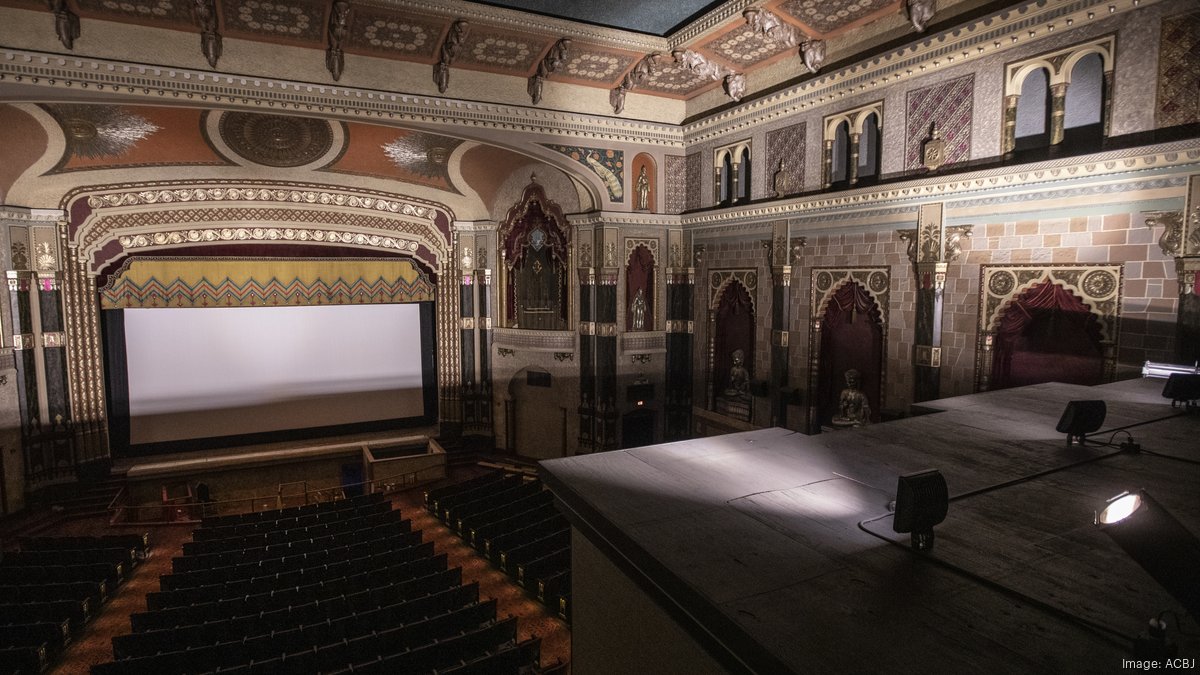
(981, 37)
(535, 340)
(148, 83)
(624, 219)
(644, 342)
(259, 194)
(995, 187)
(19, 215)
(209, 235)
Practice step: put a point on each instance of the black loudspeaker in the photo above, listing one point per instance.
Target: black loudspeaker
(1182, 388)
(1081, 418)
(922, 501)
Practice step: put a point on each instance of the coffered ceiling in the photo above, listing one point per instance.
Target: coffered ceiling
(513, 37)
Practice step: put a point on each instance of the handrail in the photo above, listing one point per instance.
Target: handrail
(385, 485)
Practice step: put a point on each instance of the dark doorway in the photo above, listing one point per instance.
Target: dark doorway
(1047, 334)
(637, 428)
(851, 337)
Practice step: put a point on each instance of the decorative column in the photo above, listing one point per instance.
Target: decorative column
(781, 312)
(852, 169)
(1010, 124)
(1106, 111)
(483, 335)
(681, 285)
(467, 337)
(735, 170)
(931, 248)
(83, 350)
(449, 325)
(1181, 239)
(827, 164)
(587, 344)
(1058, 111)
(605, 312)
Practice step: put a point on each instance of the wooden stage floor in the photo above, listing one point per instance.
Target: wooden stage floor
(775, 550)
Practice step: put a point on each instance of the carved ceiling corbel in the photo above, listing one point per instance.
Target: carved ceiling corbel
(550, 64)
(634, 78)
(920, 12)
(771, 27)
(450, 48)
(66, 22)
(339, 30)
(1171, 241)
(733, 83)
(205, 13)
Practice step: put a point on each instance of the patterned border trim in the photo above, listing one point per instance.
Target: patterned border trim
(535, 340)
(145, 83)
(209, 235)
(282, 195)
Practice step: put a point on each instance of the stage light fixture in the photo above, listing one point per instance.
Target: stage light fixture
(1153, 369)
(1081, 418)
(1183, 389)
(921, 502)
(1158, 542)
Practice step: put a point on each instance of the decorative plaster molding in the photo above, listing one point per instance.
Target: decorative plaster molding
(15, 215)
(627, 219)
(156, 84)
(535, 340)
(967, 185)
(207, 235)
(1007, 29)
(262, 194)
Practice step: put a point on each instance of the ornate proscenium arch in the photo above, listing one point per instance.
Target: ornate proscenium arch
(1098, 286)
(826, 281)
(108, 222)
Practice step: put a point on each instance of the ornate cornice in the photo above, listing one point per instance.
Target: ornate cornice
(1005, 30)
(593, 218)
(15, 215)
(965, 190)
(710, 22)
(158, 85)
(261, 194)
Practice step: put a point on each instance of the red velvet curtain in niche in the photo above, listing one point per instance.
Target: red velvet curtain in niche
(1047, 334)
(639, 275)
(851, 337)
(533, 238)
(734, 330)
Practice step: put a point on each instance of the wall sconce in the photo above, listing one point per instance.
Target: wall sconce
(922, 501)
(1081, 418)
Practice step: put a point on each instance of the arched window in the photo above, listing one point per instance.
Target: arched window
(1083, 119)
(868, 149)
(725, 180)
(839, 171)
(1033, 111)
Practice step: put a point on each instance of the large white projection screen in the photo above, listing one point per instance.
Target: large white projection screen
(202, 373)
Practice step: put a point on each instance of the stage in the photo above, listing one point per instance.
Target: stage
(770, 551)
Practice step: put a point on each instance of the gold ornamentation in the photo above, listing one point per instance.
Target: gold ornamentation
(54, 340)
(23, 341)
(265, 234)
(1172, 222)
(46, 260)
(285, 195)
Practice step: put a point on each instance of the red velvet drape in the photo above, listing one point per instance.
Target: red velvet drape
(851, 337)
(1047, 334)
(734, 330)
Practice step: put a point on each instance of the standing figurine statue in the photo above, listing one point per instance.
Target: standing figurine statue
(643, 190)
(638, 309)
(854, 410)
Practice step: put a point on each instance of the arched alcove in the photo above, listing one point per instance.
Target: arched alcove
(851, 338)
(868, 149)
(1047, 334)
(839, 171)
(534, 239)
(1033, 111)
(1083, 117)
(733, 332)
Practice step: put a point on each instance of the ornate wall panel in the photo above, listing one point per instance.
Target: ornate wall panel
(675, 184)
(1099, 286)
(695, 173)
(786, 145)
(947, 105)
(1179, 71)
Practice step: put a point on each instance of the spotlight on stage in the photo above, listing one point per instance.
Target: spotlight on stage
(1081, 418)
(921, 502)
(1183, 390)
(1158, 542)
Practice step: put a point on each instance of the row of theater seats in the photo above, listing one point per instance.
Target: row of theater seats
(52, 586)
(338, 587)
(513, 523)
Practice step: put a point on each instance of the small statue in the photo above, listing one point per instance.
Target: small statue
(638, 309)
(739, 378)
(854, 410)
(920, 12)
(643, 191)
(553, 61)
(814, 54)
(450, 48)
(782, 180)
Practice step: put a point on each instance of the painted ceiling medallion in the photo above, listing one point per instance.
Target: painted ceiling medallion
(95, 131)
(276, 140)
(423, 154)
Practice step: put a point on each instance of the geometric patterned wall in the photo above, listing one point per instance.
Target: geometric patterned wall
(695, 173)
(675, 172)
(786, 144)
(949, 106)
(1179, 71)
